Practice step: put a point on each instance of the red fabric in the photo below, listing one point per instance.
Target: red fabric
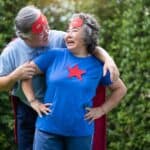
(13, 100)
(76, 22)
(99, 141)
(38, 25)
(75, 72)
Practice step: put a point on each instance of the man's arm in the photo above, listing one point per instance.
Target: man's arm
(25, 71)
(109, 63)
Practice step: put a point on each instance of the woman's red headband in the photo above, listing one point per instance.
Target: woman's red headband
(76, 22)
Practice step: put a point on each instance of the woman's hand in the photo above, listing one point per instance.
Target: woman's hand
(40, 108)
(94, 113)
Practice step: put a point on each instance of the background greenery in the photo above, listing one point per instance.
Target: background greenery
(125, 34)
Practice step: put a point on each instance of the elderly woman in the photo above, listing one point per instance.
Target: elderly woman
(72, 76)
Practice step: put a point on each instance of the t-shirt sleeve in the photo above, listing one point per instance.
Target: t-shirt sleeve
(106, 80)
(57, 39)
(44, 61)
(7, 62)
(63, 43)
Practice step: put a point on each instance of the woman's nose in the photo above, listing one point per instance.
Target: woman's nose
(69, 33)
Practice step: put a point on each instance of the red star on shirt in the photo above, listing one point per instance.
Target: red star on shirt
(76, 72)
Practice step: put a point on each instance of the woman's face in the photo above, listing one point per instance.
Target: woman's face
(74, 39)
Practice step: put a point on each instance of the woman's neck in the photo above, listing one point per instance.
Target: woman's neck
(81, 53)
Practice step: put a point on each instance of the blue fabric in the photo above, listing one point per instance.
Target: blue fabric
(69, 95)
(48, 141)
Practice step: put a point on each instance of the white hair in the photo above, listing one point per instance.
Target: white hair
(24, 20)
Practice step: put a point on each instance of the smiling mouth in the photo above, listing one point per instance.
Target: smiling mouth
(70, 43)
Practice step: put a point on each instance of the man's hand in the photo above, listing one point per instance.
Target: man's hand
(109, 65)
(25, 71)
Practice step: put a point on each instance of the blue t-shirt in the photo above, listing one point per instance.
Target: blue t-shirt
(18, 52)
(71, 84)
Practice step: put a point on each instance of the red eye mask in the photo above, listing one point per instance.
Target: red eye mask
(76, 22)
(38, 25)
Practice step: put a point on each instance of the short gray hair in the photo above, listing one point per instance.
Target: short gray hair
(91, 30)
(24, 20)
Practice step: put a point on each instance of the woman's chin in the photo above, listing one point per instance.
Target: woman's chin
(70, 48)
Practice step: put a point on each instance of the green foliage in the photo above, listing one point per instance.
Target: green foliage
(6, 123)
(125, 33)
(8, 10)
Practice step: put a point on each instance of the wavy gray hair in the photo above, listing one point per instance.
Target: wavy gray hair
(91, 30)
(24, 20)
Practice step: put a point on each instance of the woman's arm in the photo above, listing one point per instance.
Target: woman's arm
(25, 71)
(109, 63)
(118, 90)
(29, 93)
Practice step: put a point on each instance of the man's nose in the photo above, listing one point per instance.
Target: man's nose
(46, 31)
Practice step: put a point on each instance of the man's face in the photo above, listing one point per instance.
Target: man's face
(40, 39)
(39, 32)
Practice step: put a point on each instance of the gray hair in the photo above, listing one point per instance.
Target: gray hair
(24, 20)
(91, 30)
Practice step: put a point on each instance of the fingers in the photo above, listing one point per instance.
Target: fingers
(112, 75)
(48, 104)
(28, 73)
(90, 115)
(25, 71)
(104, 70)
(44, 108)
(93, 113)
(39, 113)
(112, 68)
(41, 108)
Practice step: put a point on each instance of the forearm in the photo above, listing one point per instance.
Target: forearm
(114, 99)
(39, 107)
(118, 91)
(101, 54)
(7, 82)
(25, 71)
(28, 90)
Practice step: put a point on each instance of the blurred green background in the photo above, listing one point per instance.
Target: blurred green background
(125, 34)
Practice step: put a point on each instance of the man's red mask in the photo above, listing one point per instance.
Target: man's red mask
(39, 24)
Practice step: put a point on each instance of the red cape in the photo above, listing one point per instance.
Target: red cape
(99, 141)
